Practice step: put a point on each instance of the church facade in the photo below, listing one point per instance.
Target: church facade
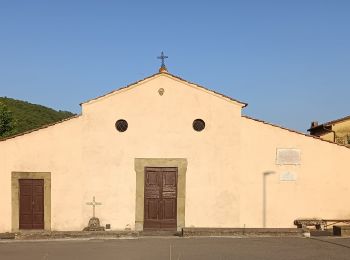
(164, 153)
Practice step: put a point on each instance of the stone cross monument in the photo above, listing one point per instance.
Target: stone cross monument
(94, 223)
(93, 204)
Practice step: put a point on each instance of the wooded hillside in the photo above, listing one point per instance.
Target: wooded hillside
(17, 116)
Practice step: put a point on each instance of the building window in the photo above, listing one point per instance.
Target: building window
(198, 125)
(121, 125)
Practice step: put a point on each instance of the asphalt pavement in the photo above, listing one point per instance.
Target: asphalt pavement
(178, 248)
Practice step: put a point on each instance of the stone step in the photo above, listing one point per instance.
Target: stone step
(7, 235)
(159, 233)
(321, 233)
(295, 232)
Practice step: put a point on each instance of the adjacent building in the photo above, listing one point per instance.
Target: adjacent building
(337, 131)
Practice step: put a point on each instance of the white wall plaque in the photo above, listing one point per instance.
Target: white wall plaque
(288, 176)
(287, 156)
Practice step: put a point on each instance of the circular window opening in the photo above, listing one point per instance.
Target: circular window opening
(198, 125)
(121, 125)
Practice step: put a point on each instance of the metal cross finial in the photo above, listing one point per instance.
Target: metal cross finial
(93, 204)
(162, 57)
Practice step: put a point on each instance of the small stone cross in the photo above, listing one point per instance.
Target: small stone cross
(93, 204)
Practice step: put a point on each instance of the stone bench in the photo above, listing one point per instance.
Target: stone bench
(312, 222)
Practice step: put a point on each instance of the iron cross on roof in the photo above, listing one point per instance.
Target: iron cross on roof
(93, 204)
(162, 57)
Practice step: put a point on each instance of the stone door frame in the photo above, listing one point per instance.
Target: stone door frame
(15, 176)
(140, 164)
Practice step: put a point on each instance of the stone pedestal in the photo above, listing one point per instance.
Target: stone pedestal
(94, 225)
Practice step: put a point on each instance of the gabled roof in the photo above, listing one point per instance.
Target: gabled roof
(164, 73)
(170, 76)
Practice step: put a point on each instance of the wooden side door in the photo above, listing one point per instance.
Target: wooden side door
(31, 204)
(152, 198)
(168, 205)
(160, 205)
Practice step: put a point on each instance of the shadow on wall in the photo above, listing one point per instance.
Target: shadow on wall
(264, 202)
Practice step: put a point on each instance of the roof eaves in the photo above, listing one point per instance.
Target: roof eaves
(39, 128)
(294, 131)
(316, 127)
(216, 93)
(330, 123)
(171, 75)
(337, 120)
(121, 88)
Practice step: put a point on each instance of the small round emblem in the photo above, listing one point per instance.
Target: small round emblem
(161, 91)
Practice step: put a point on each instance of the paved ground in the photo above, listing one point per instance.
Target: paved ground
(180, 249)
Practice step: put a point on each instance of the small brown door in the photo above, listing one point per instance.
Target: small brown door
(31, 205)
(160, 210)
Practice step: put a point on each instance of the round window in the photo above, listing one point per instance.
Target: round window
(198, 125)
(121, 125)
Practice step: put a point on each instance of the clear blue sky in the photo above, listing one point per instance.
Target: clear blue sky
(290, 60)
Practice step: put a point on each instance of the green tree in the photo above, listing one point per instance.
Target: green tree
(7, 122)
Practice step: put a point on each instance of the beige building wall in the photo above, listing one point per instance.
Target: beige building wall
(88, 157)
(319, 190)
(328, 137)
(342, 131)
(342, 127)
(56, 150)
(161, 127)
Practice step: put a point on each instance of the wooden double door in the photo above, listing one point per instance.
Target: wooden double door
(160, 205)
(31, 204)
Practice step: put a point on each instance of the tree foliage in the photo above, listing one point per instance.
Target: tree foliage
(7, 122)
(25, 116)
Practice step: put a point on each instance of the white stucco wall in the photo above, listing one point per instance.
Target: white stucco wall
(88, 157)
